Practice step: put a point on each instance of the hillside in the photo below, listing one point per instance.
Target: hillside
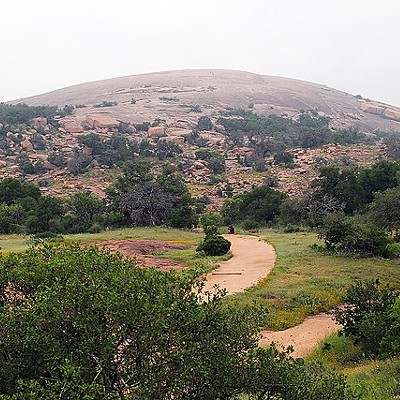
(158, 116)
(216, 89)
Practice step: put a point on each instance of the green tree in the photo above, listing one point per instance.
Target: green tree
(12, 190)
(85, 324)
(384, 211)
(83, 208)
(261, 204)
(371, 318)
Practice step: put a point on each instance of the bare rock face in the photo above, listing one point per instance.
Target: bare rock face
(156, 131)
(73, 127)
(372, 108)
(101, 122)
(392, 114)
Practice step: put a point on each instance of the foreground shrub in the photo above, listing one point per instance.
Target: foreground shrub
(84, 324)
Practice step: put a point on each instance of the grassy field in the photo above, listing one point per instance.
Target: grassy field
(306, 281)
(17, 243)
(372, 379)
(188, 257)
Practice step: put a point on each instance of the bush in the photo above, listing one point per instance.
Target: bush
(371, 318)
(290, 228)
(350, 236)
(250, 224)
(214, 245)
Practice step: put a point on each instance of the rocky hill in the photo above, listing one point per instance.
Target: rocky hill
(162, 111)
(171, 95)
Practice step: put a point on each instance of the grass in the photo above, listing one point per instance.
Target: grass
(188, 257)
(18, 243)
(13, 243)
(371, 379)
(306, 281)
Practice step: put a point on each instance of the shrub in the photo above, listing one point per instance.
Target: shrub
(214, 245)
(347, 235)
(250, 224)
(371, 318)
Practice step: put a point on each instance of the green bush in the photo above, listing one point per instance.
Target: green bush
(371, 318)
(250, 224)
(214, 245)
(350, 236)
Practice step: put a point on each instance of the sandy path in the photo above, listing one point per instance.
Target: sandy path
(304, 337)
(252, 260)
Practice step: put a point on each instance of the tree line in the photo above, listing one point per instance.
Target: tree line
(138, 198)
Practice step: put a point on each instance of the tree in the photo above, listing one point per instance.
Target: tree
(204, 124)
(384, 211)
(353, 236)
(370, 317)
(85, 324)
(12, 190)
(261, 204)
(82, 208)
(146, 199)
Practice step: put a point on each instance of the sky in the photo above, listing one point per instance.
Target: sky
(350, 45)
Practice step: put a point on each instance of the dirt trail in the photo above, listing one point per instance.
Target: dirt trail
(304, 337)
(253, 260)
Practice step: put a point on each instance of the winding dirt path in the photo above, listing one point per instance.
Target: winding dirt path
(253, 260)
(304, 337)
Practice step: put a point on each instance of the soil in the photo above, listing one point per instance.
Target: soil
(304, 337)
(252, 260)
(142, 249)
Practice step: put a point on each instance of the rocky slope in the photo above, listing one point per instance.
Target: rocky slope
(177, 99)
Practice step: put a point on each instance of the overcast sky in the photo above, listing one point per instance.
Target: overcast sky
(351, 45)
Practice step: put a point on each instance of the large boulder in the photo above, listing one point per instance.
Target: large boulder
(26, 145)
(73, 127)
(156, 131)
(392, 114)
(101, 122)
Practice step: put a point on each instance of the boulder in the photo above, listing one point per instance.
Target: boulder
(101, 122)
(26, 145)
(156, 131)
(73, 127)
(392, 114)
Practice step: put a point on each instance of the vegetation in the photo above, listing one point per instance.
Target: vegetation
(69, 330)
(306, 280)
(214, 245)
(145, 199)
(371, 318)
(261, 204)
(23, 114)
